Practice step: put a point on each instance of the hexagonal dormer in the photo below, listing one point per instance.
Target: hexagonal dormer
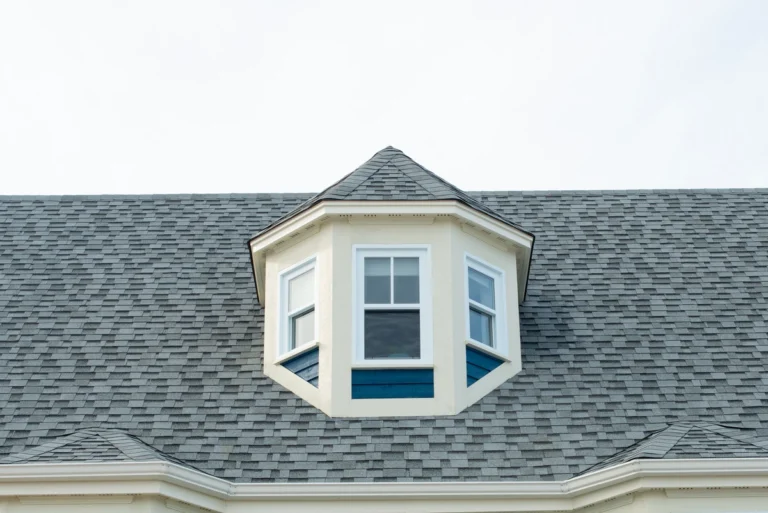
(391, 293)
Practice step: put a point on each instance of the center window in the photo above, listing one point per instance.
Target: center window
(393, 313)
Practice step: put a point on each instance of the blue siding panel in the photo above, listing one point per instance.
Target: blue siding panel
(479, 364)
(392, 383)
(306, 365)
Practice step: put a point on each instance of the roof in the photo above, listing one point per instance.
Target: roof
(91, 445)
(696, 439)
(391, 175)
(644, 309)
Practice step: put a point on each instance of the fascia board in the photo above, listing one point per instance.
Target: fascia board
(115, 472)
(343, 208)
(440, 207)
(259, 244)
(213, 493)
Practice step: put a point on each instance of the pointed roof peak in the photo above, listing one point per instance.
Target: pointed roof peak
(91, 444)
(690, 438)
(391, 175)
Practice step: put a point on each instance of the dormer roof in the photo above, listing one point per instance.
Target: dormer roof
(391, 175)
(392, 178)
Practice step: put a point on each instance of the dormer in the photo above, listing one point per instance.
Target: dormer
(391, 293)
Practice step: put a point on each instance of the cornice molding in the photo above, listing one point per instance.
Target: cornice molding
(394, 211)
(202, 490)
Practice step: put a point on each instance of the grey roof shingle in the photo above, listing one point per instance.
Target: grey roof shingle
(93, 445)
(391, 175)
(644, 309)
(697, 439)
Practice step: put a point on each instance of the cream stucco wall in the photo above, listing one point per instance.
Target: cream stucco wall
(315, 243)
(333, 243)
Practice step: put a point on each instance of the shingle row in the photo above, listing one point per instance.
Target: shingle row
(644, 309)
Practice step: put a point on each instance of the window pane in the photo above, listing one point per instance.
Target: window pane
(481, 288)
(301, 290)
(392, 334)
(406, 280)
(481, 327)
(302, 329)
(377, 281)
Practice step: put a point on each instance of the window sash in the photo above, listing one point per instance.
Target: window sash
(286, 337)
(392, 278)
(291, 329)
(403, 306)
(491, 327)
(497, 314)
(481, 307)
(421, 254)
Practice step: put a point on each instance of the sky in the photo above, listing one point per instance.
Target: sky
(289, 96)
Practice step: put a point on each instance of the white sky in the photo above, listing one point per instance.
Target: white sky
(226, 96)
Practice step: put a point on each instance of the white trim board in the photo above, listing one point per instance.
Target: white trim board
(516, 239)
(202, 490)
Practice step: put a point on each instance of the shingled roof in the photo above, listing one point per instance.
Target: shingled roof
(391, 175)
(644, 309)
(93, 445)
(696, 439)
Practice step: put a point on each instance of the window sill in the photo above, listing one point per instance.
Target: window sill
(488, 350)
(296, 352)
(392, 364)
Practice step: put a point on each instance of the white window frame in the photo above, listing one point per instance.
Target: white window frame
(499, 329)
(284, 326)
(422, 252)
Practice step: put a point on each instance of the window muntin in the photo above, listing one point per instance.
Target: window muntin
(485, 305)
(297, 307)
(392, 314)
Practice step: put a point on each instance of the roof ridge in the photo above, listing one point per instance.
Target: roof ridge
(411, 178)
(373, 172)
(461, 194)
(316, 198)
(674, 440)
(723, 431)
(654, 445)
(130, 446)
(44, 448)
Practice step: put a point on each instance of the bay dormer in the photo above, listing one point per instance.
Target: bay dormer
(391, 293)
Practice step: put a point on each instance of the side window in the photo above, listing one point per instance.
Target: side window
(486, 322)
(297, 306)
(393, 311)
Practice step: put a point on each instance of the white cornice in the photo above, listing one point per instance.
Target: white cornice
(389, 208)
(194, 487)
(517, 239)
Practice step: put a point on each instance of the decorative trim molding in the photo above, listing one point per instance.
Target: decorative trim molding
(205, 491)
(507, 235)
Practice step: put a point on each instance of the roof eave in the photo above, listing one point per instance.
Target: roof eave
(203, 490)
(325, 208)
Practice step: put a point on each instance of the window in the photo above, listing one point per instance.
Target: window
(485, 305)
(297, 306)
(392, 311)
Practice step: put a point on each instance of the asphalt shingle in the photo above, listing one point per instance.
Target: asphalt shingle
(391, 175)
(644, 309)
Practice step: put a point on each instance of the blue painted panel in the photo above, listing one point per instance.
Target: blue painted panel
(479, 364)
(306, 365)
(392, 383)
